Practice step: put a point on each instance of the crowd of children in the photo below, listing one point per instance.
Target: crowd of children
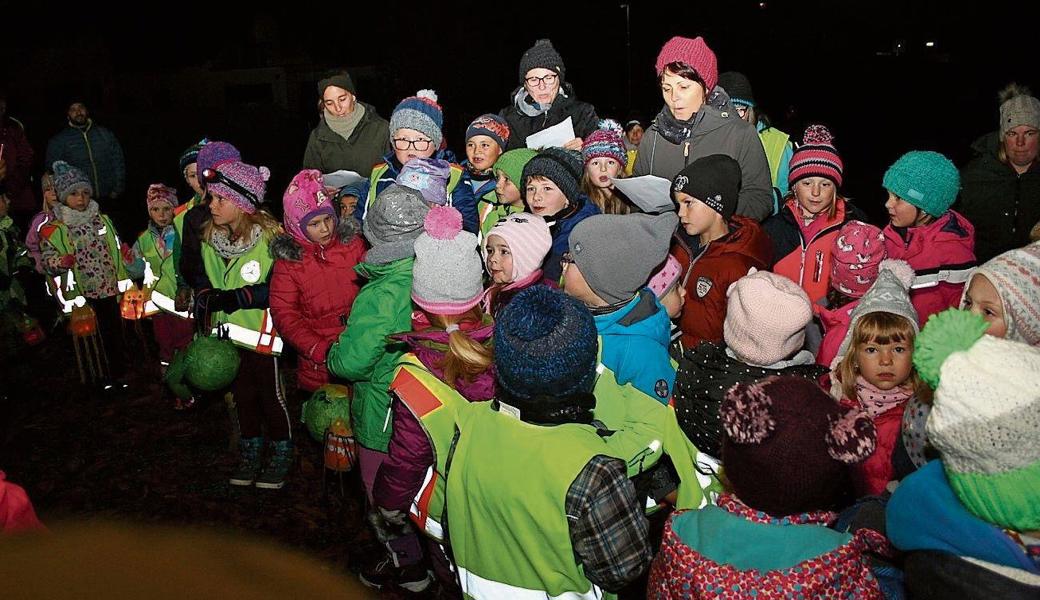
(544, 373)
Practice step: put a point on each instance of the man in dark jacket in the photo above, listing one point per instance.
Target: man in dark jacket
(544, 99)
(351, 135)
(91, 148)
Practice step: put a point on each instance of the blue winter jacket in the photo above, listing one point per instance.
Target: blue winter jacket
(635, 345)
(95, 151)
(560, 229)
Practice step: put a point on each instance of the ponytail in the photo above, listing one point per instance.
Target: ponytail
(466, 358)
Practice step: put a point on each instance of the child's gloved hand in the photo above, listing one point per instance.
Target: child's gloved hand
(211, 300)
(182, 300)
(67, 261)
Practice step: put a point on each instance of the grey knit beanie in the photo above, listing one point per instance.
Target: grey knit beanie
(393, 222)
(618, 253)
(541, 55)
(1018, 110)
(447, 278)
(560, 166)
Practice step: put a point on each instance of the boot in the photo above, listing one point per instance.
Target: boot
(248, 461)
(279, 461)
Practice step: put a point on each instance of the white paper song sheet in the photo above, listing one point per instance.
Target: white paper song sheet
(652, 194)
(557, 135)
(341, 179)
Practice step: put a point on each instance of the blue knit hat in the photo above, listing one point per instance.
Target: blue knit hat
(68, 179)
(545, 344)
(191, 155)
(421, 113)
(928, 180)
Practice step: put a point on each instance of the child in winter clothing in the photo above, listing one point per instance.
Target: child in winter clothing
(764, 331)
(46, 214)
(666, 284)
(605, 160)
(363, 355)
(804, 230)
(714, 245)
(451, 339)
(486, 139)
(970, 521)
(236, 255)
(14, 257)
(936, 241)
(858, 250)
(415, 132)
(152, 250)
(508, 198)
(873, 372)
(513, 253)
(609, 264)
(84, 257)
(786, 448)
(551, 191)
(1006, 293)
(314, 283)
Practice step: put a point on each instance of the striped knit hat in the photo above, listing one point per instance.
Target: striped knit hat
(607, 141)
(528, 239)
(985, 417)
(1016, 276)
(816, 157)
(421, 113)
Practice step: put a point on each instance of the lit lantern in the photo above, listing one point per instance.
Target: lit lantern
(32, 333)
(83, 321)
(131, 307)
(340, 447)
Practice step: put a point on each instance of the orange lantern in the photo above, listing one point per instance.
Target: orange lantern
(32, 333)
(83, 321)
(340, 447)
(131, 307)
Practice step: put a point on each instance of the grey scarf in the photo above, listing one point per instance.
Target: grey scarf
(344, 126)
(527, 106)
(75, 219)
(233, 249)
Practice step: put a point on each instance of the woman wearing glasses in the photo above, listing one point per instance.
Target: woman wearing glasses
(697, 121)
(545, 99)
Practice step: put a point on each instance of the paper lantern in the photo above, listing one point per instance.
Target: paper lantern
(131, 306)
(326, 404)
(340, 447)
(83, 321)
(212, 363)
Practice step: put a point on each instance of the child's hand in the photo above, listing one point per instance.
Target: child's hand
(574, 144)
(67, 261)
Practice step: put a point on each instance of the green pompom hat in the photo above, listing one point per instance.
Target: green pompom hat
(945, 333)
(512, 163)
(928, 180)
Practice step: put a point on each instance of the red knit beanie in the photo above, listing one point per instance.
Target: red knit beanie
(693, 52)
(816, 157)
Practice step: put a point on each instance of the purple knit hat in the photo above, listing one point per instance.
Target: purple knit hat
(214, 154)
(429, 177)
(244, 185)
(607, 141)
(305, 198)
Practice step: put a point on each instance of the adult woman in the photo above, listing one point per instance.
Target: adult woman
(351, 135)
(698, 120)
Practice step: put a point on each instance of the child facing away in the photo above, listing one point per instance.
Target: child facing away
(667, 285)
(937, 242)
(314, 283)
(785, 453)
(873, 371)
(605, 160)
(970, 521)
(514, 250)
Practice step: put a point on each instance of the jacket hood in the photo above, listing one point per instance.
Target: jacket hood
(949, 240)
(286, 247)
(641, 317)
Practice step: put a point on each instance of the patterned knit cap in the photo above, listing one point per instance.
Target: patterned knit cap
(491, 125)
(541, 56)
(928, 180)
(1020, 109)
(447, 276)
(68, 179)
(816, 157)
(428, 176)
(305, 198)
(159, 194)
(191, 154)
(393, 223)
(421, 113)
(787, 445)
(213, 154)
(1016, 276)
(695, 53)
(244, 185)
(985, 417)
(664, 280)
(607, 141)
(857, 252)
(528, 239)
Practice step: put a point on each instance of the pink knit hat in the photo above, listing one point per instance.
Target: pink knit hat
(305, 198)
(528, 239)
(666, 277)
(244, 185)
(161, 194)
(695, 53)
(858, 250)
(766, 315)
(816, 157)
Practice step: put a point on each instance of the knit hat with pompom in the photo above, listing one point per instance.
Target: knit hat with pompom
(607, 141)
(447, 274)
(421, 113)
(816, 157)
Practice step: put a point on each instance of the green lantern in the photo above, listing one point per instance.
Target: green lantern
(211, 363)
(175, 376)
(328, 403)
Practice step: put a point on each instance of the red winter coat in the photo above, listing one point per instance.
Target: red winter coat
(312, 291)
(944, 247)
(872, 475)
(725, 260)
(835, 327)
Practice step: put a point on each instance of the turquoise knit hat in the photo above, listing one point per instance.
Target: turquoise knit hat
(512, 164)
(985, 417)
(928, 180)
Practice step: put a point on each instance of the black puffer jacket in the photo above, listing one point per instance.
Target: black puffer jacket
(582, 114)
(704, 376)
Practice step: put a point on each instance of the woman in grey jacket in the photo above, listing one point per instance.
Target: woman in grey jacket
(698, 120)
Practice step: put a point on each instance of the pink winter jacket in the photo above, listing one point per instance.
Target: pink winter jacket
(835, 326)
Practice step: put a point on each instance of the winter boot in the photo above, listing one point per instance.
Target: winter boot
(279, 461)
(248, 462)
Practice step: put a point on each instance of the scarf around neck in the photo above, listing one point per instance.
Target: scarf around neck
(877, 402)
(672, 129)
(75, 219)
(345, 126)
(526, 105)
(233, 249)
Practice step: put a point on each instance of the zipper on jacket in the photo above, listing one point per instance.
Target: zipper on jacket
(819, 253)
(93, 165)
(819, 266)
(686, 153)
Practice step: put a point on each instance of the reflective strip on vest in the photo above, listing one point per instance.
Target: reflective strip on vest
(265, 342)
(60, 289)
(945, 276)
(150, 309)
(124, 285)
(420, 509)
(167, 304)
(484, 589)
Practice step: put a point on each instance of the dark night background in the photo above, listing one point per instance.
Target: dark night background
(163, 76)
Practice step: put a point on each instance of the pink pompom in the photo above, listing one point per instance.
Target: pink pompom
(900, 268)
(745, 413)
(852, 437)
(265, 173)
(817, 135)
(443, 223)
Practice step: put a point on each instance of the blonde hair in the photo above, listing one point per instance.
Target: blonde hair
(269, 226)
(466, 358)
(608, 202)
(879, 328)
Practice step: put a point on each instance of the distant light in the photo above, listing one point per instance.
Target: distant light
(930, 44)
(762, 5)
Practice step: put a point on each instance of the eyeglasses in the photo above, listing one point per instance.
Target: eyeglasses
(537, 81)
(214, 176)
(405, 143)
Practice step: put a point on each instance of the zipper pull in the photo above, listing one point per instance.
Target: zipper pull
(686, 150)
(819, 266)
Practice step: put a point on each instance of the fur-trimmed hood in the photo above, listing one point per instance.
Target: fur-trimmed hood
(286, 247)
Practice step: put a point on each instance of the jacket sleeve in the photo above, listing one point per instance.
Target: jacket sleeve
(608, 529)
(401, 475)
(311, 156)
(136, 267)
(756, 191)
(643, 156)
(190, 267)
(585, 121)
(361, 345)
(54, 152)
(286, 299)
(464, 201)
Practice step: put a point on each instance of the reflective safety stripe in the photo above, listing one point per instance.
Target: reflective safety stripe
(124, 285)
(167, 304)
(59, 293)
(420, 509)
(934, 279)
(484, 589)
(252, 339)
(150, 309)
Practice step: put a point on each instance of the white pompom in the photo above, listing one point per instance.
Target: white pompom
(265, 173)
(900, 268)
(428, 94)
